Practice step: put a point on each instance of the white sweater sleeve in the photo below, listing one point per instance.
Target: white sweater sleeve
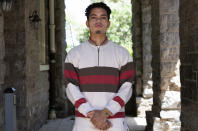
(72, 85)
(126, 78)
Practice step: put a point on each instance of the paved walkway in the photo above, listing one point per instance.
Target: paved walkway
(134, 123)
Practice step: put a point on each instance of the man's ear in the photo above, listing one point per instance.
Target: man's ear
(109, 23)
(87, 23)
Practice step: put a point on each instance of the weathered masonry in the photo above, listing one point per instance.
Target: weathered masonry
(165, 44)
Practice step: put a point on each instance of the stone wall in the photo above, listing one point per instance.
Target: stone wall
(14, 34)
(2, 72)
(189, 64)
(23, 67)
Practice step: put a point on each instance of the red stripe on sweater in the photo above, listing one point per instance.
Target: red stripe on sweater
(99, 79)
(119, 100)
(79, 102)
(70, 74)
(117, 115)
(127, 74)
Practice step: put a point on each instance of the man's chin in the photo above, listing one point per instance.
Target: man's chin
(98, 32)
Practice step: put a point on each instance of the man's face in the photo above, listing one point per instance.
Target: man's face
(98, 21)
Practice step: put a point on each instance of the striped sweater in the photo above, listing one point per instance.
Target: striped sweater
(99, 77)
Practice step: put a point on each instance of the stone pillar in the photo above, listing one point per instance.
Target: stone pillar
(165, 64)
(2, 72)
(145, 102)
(63, 105)
(189, 64)
(137, 44)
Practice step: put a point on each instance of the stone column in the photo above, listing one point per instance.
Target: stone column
(60, 40)
(2, 71)
(145, 102)
(165, 64)
(189, 64)
(137, 44)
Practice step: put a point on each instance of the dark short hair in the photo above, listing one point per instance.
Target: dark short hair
(97, 5)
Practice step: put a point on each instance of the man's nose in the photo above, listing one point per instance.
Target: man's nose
(98, 19)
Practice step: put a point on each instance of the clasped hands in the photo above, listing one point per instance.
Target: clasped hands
(99, 118)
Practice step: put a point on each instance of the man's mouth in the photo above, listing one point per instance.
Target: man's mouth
(98, 25)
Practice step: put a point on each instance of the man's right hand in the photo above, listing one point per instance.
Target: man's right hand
(90, 114)
(99, 120)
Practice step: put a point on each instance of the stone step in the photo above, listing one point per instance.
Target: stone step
(136, 123)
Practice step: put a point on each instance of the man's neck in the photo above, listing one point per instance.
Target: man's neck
(98, 40)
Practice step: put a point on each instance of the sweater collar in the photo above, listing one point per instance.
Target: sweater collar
(93, 42)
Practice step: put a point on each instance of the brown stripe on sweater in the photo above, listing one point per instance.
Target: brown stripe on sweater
(69, 66)
(99, 71)
(99, 88)
(127, 67)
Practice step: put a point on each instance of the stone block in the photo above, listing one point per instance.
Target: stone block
(146, 29)
(164, 83)
(147, 43)
(171, 100)
(2, 47)
(143, 105)
(147, 57)
(170, 54)
(2, 72)
(168, 23)
(163, 23)
(1, 23)
(146, 15)
(173, 27)
(170, 115)
(173, 18)
(147, 92)
(164, 125)
(2, 117)
(147, 74)
(175, 83)
(146, 2)
(167, 69)
(169, 6)
(169, 39)
(149, 82)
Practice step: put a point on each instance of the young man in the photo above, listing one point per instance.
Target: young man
(99, 75)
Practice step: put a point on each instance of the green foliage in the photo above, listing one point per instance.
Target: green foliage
(83, 35)
(120, 28)
(106, 1)
(93, 1)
